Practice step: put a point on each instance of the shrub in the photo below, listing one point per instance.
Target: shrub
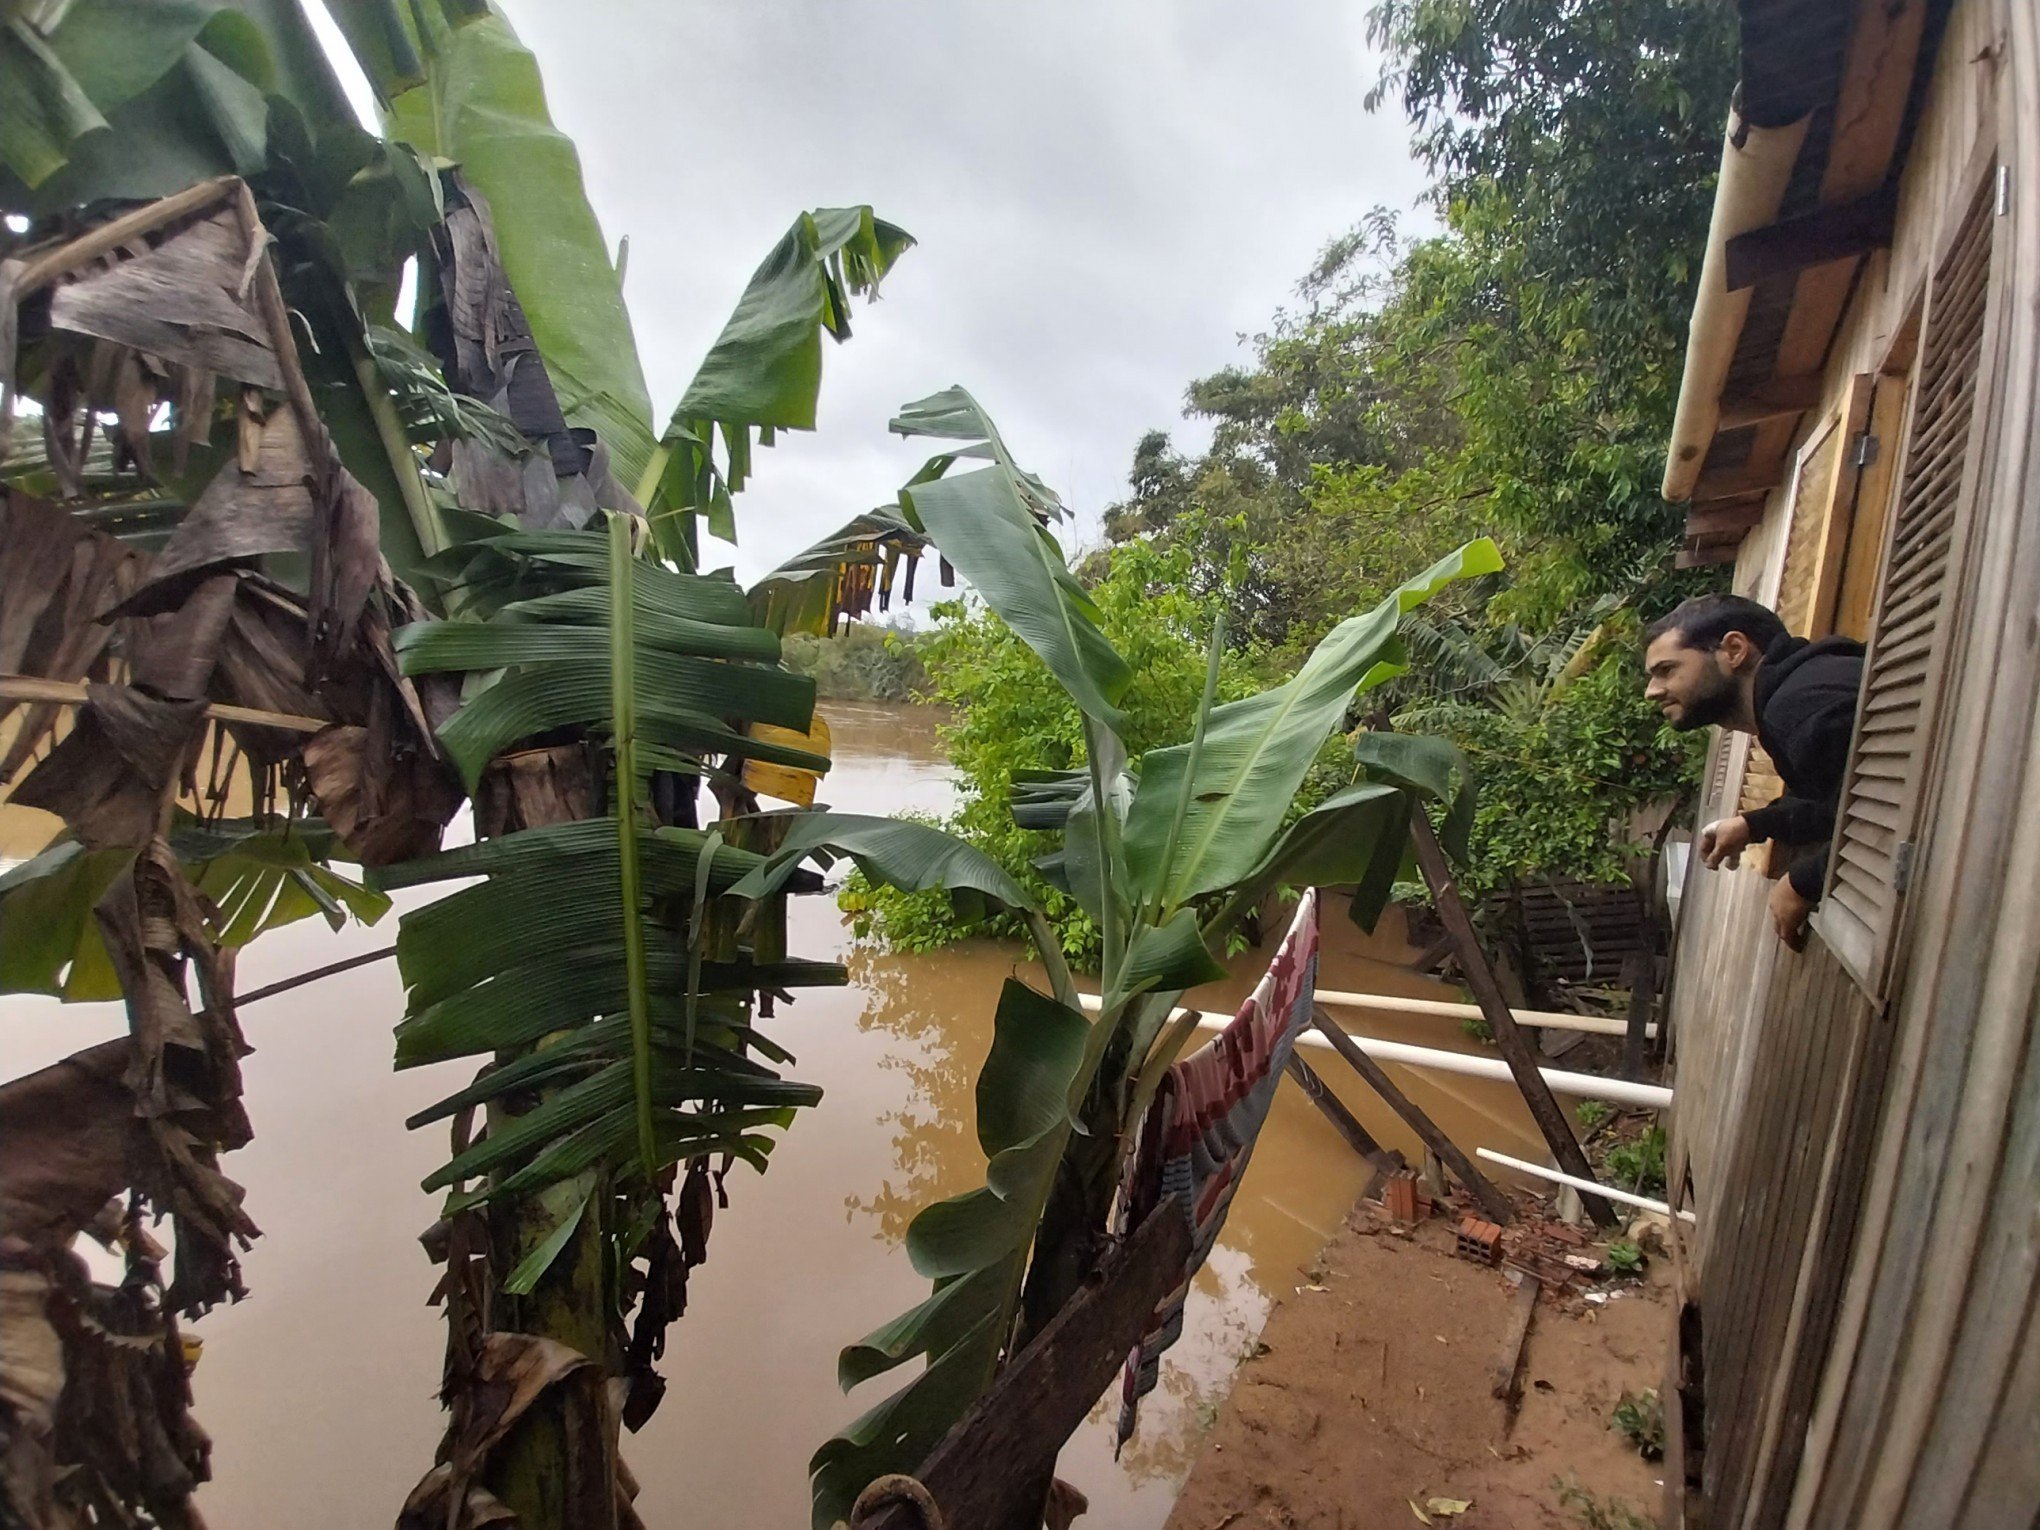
(1639, 1165)
(1642, 1418)
(861, 663)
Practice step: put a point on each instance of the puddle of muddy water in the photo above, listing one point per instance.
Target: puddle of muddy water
(318, 1390)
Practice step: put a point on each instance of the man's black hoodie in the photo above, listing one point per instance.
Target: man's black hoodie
(1806, 708)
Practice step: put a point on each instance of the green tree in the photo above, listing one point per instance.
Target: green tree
(1515, 371)
(862, 662)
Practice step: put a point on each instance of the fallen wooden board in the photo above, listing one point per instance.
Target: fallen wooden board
(1013, 1433)
(1480, 977)
(1345, 1123)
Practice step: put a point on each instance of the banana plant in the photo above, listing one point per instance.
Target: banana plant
(586, 930)
(591, 645)
(1166, 853)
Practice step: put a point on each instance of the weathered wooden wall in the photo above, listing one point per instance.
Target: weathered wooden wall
(1863, 1156)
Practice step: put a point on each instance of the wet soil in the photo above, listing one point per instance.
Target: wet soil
(1370, 1393)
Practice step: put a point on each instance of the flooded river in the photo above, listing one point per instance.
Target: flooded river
(318, 1390)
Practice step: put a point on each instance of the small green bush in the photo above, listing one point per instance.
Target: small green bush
(1639, 1166)
(1591, 1113)
(1625, 1259)
(1642, 1418)
(1008, 714)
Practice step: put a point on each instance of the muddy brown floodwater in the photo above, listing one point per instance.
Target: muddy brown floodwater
(318, 1390)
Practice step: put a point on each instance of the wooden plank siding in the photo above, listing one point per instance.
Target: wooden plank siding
(1814, 1026)
(1934, 1362)
(1861, 1149)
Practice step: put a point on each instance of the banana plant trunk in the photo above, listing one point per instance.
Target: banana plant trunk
(557, 1466)
(1073, 1237)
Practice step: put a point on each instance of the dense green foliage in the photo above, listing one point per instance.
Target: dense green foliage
(1009, 715)
(860, 663)
(1565, 746)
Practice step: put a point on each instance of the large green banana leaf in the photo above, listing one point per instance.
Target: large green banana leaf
(764, 372)
(263, 876)
(992, 523)
(893, 852)
(1430, 766)
(141, 98)
(695, 655)
(49, 941)
(584, 939)
(1186, 837)
(258, 876)
(974, 1247)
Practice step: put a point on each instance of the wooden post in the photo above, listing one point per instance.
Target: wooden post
(1344, 1122)
(1011, 1436)
(1480, 977)
(1493, 1202)
(1509, 1364)
(1643, 993)
(1647, 984)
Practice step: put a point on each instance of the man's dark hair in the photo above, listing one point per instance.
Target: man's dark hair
(1705, 620)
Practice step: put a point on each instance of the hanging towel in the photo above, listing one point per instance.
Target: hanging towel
(1200, 1131)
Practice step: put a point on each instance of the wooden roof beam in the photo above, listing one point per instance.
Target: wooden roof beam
(1756, 168)
(1705, 555)
(1738, 482)
(1730, 518)
(1816, 238)
(1770, 400)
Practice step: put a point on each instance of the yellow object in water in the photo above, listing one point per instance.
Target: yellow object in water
(789, 783)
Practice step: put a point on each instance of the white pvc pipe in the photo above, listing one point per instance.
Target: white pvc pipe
(1607, 1192)
(1582, 1086)
(1446, 1009)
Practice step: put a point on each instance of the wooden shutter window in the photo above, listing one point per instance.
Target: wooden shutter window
(1823, 506)
(1715, 803)
(1876, 825)
(1816, 548)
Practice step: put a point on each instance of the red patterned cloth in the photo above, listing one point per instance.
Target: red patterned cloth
(1200, 1131)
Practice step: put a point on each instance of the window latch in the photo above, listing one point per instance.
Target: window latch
(1902, 866)
(1867, 448)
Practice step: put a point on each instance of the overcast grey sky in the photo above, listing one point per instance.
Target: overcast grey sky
(1106, 195)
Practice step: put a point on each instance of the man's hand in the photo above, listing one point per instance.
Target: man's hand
(1789, 913)
(1723, 841)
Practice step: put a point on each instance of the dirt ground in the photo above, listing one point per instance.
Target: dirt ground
(1371, 1388)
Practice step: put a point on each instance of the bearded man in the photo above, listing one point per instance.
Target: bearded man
(1723, 661)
